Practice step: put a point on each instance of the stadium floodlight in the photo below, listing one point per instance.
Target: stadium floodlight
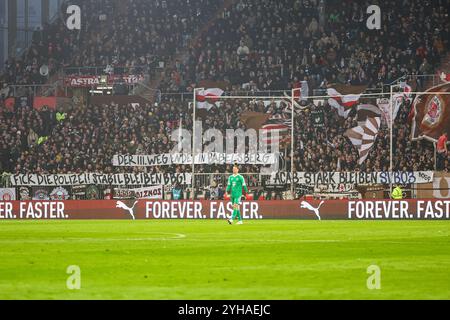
(44, 70)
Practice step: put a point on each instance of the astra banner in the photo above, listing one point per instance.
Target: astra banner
(95, 80)
(121, 179)
(356, 177)
(208, 209)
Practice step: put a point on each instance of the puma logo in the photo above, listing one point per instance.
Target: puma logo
(120, 204)
(316, 211)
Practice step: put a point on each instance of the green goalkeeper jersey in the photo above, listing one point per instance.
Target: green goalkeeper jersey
(236, 183)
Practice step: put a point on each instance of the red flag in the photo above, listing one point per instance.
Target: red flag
(40, 102)
(445, 76)
(9, 103)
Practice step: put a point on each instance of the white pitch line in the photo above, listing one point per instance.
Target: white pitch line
(267, 240)
(406, 242)
(180, 236)
(175, 236)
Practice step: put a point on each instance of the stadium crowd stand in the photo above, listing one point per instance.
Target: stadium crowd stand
(252, 45)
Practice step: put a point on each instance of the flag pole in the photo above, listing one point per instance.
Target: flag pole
(194, 107)
(435, 162)
(390, 139)
(391, 128)
(180, 129)
(292, 141)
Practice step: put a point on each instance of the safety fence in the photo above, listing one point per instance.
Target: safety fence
(85, 76)
(213, 185)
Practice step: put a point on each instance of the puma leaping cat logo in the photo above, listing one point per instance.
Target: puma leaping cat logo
(316, 211)
(120, 204)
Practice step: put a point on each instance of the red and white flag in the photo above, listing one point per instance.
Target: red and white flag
(301, 91)
(275, 133)
(399, 100)
(207, 98)
(342, 103)
(445, 77)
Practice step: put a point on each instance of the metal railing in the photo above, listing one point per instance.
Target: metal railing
(141, 89)
(102, 70)
(419, 79)
(188, 96)
(22, 90)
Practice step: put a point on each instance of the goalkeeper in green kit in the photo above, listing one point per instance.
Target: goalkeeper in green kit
(235, 183)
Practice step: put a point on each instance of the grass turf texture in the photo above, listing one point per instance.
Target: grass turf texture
(185, 259)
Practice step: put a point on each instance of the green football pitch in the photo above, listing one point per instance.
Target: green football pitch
(191, 259)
